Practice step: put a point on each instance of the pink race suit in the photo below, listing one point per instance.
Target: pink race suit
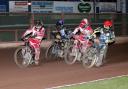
(35, 42)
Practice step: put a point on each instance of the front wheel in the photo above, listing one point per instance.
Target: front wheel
(90, 57)
(23, 56)
(51, 52)
(71, 54)
(102, 56)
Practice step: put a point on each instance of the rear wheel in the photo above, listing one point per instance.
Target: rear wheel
(23, 56)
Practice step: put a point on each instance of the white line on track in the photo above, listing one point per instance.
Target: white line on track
(57, 87)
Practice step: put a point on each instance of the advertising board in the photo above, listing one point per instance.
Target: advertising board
(18, 6)
(65, 7)
(106, 7)
(41, 6)
(2, 8)
(121, 6)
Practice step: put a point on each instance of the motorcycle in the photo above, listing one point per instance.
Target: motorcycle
(75, 52)
(24, 54)
(94, 54)
(57, 48)
(98, 50)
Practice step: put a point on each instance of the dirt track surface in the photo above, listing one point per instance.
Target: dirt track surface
(56, 73)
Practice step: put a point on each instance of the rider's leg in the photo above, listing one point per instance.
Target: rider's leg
(36, 45)
(37, 54)
(75, 46)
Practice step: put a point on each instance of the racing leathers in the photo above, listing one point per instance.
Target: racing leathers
(106, 35)
(35, 40)
(83, 34)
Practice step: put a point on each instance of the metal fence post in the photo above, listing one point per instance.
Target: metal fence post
(16, 35)
(48, 33)
(124, 31)
(31, 19)
(62, 15)
(113, 27)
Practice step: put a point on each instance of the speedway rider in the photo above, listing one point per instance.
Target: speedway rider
(62, 30)
(37, 33)
(82, 33)
(106, 33)
(108, 28)
(61, 34)
(103, 37)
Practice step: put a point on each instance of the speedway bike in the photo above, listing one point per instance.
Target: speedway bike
(78, 52)
(57, 49)
(98, 50)
(24, 54)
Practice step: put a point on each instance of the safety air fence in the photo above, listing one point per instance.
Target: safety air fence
(12, 25)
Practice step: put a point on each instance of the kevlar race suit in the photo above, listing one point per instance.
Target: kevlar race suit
(36, 37)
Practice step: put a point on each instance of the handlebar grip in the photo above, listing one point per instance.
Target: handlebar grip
(22, 39)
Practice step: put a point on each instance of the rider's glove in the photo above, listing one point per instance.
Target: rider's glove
(88, 37)
(34, 35)
(71, 35)
(22, 38)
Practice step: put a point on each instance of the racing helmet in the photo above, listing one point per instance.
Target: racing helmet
(60, 22)
(38, 24)
(84, 23)
(107, 24)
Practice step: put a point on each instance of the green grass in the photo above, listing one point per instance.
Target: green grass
(114, 83)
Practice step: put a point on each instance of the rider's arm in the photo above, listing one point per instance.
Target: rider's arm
(27, 32)
(76, 30)
(62, 32)
(41, 34)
